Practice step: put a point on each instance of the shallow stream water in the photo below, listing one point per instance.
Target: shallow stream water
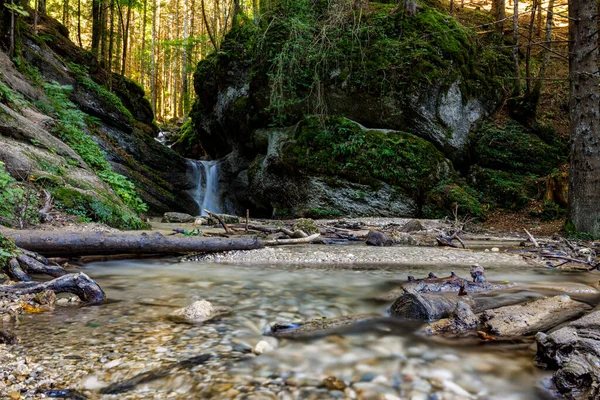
(87, 348)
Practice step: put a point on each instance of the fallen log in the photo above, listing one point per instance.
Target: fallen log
(279, 242)
(317, 327)
(435, 306)
(78, 284)
(71, 244)
(454, 283)
(535, 316)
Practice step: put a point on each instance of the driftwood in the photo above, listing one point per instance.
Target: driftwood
(535, 316)
(454, 283)
(215, 216)
(279, 242)
(44, 212)
(79, 284)
(54, 244)
(16, 272)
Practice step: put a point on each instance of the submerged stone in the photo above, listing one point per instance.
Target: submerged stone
(198, 312)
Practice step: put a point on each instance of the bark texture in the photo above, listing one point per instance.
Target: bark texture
(584, 114)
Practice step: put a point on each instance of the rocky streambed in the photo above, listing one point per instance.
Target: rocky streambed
(129, 349)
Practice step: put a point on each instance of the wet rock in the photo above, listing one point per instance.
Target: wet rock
(414, 225)
(333, 383)
(477, 273)
(227, 219)
(462, 319)
(376, 238)
(574, 351)
(307, 225)
(535, 316)
(316, 327)
(7, 337)
(263, 347)
(424, 307)
(198, 312)
(452, 283)
(175, 217)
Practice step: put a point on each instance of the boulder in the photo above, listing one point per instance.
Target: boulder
(198, 312)
(376, 238)
(175, 217)
(227, 219)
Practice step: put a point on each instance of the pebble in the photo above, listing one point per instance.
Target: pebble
(262, 347)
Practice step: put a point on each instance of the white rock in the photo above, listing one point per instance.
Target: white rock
(112, 364)
(262, 347)
(495, 249)
(198, 312)
(92, 382)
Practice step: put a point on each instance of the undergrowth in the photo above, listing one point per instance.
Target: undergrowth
(18, 201)
(71, 127)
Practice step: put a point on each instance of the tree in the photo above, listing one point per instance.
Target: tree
(584, 115)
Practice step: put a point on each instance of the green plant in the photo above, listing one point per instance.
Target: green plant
(11, 98)
(18, 200)
(71, 127)
(551, 212)
(101, 91)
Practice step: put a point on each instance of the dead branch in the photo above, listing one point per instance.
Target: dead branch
(218, 219)
(531, 238)
(78, 284)
(279, 242)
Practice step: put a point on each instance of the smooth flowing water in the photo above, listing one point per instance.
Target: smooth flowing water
(206, 192)
(96, 346)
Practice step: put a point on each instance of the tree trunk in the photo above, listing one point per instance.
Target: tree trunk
(499, 13)
(96, 27)
(79, 23)
(143, 51)
(534, 8)
(537, 89)
(517, 87)
(184, 62)
(208, 29)
(71, 244)
(125, 40)
(153, 59)
(42, 6)
(584, 115)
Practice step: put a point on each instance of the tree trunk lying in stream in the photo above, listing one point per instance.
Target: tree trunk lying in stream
(513, 321)
(56, 244)
(79, 284)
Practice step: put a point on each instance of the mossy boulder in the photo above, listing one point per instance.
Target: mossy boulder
(426, 75)
(336, 165)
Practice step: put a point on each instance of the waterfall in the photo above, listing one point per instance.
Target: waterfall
(206, 192)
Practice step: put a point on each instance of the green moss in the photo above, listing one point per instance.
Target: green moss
(337, 146)
(96, 208)
(504, 189)
(448, 197)
(516, 149)
(307, 225)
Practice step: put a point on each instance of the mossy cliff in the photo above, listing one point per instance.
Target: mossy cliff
(93, 149)
(288, 101)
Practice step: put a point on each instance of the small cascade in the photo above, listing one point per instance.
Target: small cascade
(206, 192)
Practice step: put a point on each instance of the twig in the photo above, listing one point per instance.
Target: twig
(218, 219)
(531, 238)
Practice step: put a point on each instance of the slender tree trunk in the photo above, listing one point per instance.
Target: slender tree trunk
(539, 17)
(125, 41)
(584, 115)
(499, 13)
(79, 23)
(42, 6)
(208, 29)
(255, 12)
(96, 27)
(143, 52)
(546, 59)
(184, 62)
(111, 43)
(534, 7)
(516, 47)
(65, 12)
(36, 15)
(11, 49)
(153, 59)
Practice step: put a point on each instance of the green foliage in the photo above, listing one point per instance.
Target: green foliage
(516, 149)
(318, 213)
(307, 225)
(95, 208)
(447, 197)
(99, 90)
(504, 189)
(551, 212)
(11, 98)
(337, 146)
(8, 250)
(18, 201)
(306, 47)
(71, 127)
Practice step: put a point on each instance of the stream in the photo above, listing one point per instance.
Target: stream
(88, 348)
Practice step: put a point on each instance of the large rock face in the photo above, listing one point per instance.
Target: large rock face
(265, 80)
(123, 128)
